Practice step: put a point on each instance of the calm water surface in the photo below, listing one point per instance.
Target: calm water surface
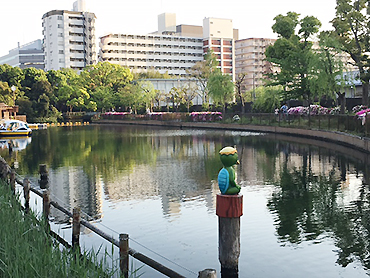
(306, 204)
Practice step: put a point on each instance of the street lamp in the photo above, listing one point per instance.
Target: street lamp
(13, 88)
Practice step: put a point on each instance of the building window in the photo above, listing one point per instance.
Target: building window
(61, 52)
(60, 17)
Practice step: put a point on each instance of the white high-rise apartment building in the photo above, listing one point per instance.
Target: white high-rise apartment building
(164, 53)
(173, 48)
(69, 38)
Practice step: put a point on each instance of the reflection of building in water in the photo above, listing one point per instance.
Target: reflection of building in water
(247, 167)
(71, 187)
(178, 174)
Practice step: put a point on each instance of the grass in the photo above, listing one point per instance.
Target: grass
(27, 250)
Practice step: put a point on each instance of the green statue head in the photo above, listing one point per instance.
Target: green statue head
(229, 156)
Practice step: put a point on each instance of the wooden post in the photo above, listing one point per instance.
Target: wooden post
(44, 179)
(207, 273)
(76, 227)
(12, 180)
(26, 194)
(229, 208)
(46, 204)
(123, 254)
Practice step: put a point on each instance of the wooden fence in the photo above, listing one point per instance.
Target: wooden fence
(122, 243)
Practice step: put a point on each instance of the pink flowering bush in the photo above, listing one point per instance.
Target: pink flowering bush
(205, 116)
(361, 115)
(359, 108)
(313, 110)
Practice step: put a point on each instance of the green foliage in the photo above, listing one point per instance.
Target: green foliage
(202, 71)
(150, 74)
(292, 53)
(103, 80)
(267, 99)
(285, 26)
(221, 88)
(137, 95)
(187, 93)
(6, 94)
(351, 28)
(27, 250)
(12, 75)
(327, 68)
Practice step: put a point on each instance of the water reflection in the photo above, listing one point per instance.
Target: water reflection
(314, 190)
(10, 146)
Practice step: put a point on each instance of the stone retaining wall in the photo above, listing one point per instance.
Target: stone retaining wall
(362, 143)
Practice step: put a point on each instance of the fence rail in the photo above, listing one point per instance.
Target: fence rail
(336, 122)
(122, 243)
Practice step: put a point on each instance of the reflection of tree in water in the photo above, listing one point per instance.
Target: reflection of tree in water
(307, 207)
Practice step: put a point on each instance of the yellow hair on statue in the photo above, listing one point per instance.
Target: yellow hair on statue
(228, 150)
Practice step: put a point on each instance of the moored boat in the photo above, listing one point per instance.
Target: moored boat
(14, 128)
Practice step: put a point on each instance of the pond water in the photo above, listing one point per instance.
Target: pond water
(305, 211)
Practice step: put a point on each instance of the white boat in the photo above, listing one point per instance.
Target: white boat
(14, 128)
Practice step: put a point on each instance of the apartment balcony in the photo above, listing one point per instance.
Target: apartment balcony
(77, 64)
(77, 47)
(75, 21)
(76, 38)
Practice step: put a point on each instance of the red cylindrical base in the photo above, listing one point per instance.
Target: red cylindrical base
(229, 205)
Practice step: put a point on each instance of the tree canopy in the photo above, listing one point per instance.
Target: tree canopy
(292, 53)
(352, 29)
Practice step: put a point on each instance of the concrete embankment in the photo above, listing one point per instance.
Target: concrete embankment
(359, 143)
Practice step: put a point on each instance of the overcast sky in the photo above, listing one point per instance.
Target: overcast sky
(20, 20)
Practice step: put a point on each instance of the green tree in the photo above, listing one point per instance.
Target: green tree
(267, 98)
(174, 96)
(6, 94)
(57, 80)
(351, 28)
(327, 70)
(12, 75)
(38, 92)
(187, 93)
(202, 71)
(221, 89)
(103, 80)
(137, 95)
(292, 52)
(159, 97)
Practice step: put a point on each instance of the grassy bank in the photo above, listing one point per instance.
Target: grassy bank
(27, 250)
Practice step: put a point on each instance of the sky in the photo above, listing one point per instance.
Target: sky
(20, 20)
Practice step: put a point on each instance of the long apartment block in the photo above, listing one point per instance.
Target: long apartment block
(165, 53)
(173, 48)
